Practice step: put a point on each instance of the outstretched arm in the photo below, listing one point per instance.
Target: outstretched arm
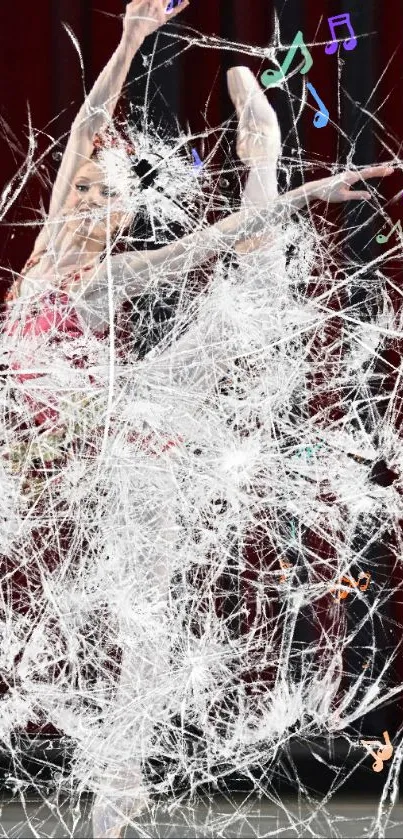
(337, 187)
(142, 17)
(134, 271)
(129, 274)
(204, 353)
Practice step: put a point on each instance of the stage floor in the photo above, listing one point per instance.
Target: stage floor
(342, 818)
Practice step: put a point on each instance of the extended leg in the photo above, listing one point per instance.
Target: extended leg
(144, 687)
(259, 138)
(199, 358)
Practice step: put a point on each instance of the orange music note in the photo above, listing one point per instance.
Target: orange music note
(348, 581)
(384, 753)
(284, 565)
(368, 580)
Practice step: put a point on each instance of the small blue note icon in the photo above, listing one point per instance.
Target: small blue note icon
(172, 5)
(321, 117)
(196, 159)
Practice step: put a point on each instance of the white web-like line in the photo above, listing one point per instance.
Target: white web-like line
(277, 453)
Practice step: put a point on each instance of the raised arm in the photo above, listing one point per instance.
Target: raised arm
(142, 17)
(129, 274)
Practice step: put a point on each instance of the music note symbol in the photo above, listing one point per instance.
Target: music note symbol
(321, 117)
(338, 20)
(171, 6)
(367, 576)
(309, 450)
(349, 581)
(196, 159)
(270, 77)
(381, 238)
(284, 566)
(384, 753)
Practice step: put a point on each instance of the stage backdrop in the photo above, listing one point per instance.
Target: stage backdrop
(41, 77)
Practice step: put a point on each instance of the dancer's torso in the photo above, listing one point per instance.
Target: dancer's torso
(48, 316)
(58, 264)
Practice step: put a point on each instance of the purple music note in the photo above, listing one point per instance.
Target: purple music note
(350, 43)
(171, 6)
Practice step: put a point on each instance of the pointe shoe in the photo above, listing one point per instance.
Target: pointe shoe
(259, 136)
(111, 816)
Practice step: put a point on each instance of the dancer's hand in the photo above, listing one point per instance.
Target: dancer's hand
(337, 187)
(146, 16)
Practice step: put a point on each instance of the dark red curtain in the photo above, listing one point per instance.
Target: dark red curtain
(41, 75)
(39, 69)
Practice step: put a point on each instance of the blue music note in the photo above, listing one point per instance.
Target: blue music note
(171, 6)
(196, 159)
(321, 117)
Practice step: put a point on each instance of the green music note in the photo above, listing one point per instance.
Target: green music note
(270, 77)
(381, 238)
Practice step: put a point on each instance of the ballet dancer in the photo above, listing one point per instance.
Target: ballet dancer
(72, 283)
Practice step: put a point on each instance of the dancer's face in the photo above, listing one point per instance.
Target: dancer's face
(92, 207)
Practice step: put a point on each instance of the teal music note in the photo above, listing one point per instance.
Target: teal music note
(308, 451)
(270, 77)
(321, 117)
(381, 238)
